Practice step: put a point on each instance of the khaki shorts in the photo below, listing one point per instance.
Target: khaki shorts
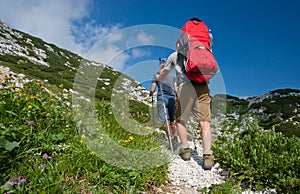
(193, 99)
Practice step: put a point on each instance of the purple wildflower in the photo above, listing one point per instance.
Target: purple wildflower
(13, 182)
(17, 181)
(45, 156)
(31, 123)
(22, 180)
(42, 165)
(3, 84)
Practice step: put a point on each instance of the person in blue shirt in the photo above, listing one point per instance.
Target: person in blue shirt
(166, 91)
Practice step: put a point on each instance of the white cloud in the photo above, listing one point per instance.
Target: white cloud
(89, 33)
(68, 24)
(120, 47)
(54, 21)
(139, 53)
(49, 20)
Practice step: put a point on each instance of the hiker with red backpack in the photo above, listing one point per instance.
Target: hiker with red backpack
(194, 65)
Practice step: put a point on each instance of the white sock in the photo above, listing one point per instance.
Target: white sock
(208, 152)
(185, 146)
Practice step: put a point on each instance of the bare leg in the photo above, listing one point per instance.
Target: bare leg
(182, 133)
(167, 130)
(173, 129)
(206, 136)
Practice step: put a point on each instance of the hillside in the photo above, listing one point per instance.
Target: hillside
(25, 54)
(279, 109)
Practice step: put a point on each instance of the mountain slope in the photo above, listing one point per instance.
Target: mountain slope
(278, 108)
(31, 56)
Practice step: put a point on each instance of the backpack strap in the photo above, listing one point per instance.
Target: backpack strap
(202, 47)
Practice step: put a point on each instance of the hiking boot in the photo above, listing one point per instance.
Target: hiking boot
(208, 161)
(185, 154)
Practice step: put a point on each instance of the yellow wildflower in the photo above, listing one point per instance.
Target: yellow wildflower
(92, 153)
(29, 106)
(81, 141)
(33, 97)
(147, 127)
(101, 136)
(130, 138)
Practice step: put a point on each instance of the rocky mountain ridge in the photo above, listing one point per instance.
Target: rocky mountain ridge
(25, 54)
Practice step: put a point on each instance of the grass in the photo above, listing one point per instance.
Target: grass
(41, 150)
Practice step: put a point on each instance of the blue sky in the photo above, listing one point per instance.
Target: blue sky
(256, 42)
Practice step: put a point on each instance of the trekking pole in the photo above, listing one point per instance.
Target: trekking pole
(152, 111)
(166, 119)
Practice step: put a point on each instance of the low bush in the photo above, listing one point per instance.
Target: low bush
(259, 158)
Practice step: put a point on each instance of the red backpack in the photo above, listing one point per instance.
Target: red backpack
(195, 45)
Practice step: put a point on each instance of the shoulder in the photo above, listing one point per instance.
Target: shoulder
(174, 54)
(172, 57)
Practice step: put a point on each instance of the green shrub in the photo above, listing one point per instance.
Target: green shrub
(261, 159)
(288, 129)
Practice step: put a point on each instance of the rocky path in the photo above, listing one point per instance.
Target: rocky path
(188, 177)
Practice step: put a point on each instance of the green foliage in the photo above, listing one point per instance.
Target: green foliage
(228, 187)
(279, 110)
(233, 104)
(285, 128)
(41, 150)
(139, 110)
(261, 159)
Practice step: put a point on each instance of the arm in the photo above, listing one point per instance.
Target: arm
(153, 86)
(175, 88)
(168, 66)
(163, 73)
(152, 90)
